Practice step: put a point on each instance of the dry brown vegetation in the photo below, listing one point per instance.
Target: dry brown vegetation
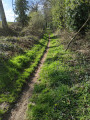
(17, 40)
(11, 46)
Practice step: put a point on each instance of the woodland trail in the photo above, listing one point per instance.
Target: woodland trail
(19, 110)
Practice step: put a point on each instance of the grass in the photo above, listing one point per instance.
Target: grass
(61, 94)
(15, 72)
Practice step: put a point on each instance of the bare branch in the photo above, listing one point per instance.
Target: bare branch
(77, 33)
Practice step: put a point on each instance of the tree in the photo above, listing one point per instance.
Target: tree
(3, 17)
(21, 8)
(47, 13)
(77, 12)
(35, 24)
(36, 21)
(58, 13)
(54, 11)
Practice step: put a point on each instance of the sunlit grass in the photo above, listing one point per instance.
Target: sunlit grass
(14, 72)
(60, 95)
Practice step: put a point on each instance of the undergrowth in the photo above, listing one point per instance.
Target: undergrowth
(60, 94)
(15, 72)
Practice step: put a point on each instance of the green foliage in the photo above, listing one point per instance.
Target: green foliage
(57, 97)
(21, 7)
(35, 24)
(47, 14)
(36, 20)
(14, 72)
(58, 13)
(54, 77)
(54, 12)
(71, 14)
(77, 12)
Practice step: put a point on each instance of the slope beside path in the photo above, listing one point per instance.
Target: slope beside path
(19, 111)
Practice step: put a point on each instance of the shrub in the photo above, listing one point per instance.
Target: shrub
(77, 12)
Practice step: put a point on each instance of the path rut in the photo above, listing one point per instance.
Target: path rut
(19, 111)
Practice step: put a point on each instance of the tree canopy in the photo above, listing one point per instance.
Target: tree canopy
(70, 14)
(21, 8)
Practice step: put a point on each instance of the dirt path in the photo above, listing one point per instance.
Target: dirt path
(19, 111)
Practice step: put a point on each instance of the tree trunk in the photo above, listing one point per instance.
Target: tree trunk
(3, 17)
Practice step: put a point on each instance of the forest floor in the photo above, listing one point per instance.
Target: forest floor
(19, 110)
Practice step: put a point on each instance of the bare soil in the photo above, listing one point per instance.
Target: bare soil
(19, 110)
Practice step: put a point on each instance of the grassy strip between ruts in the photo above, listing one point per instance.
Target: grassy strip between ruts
(13, 73)
(60, 95)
